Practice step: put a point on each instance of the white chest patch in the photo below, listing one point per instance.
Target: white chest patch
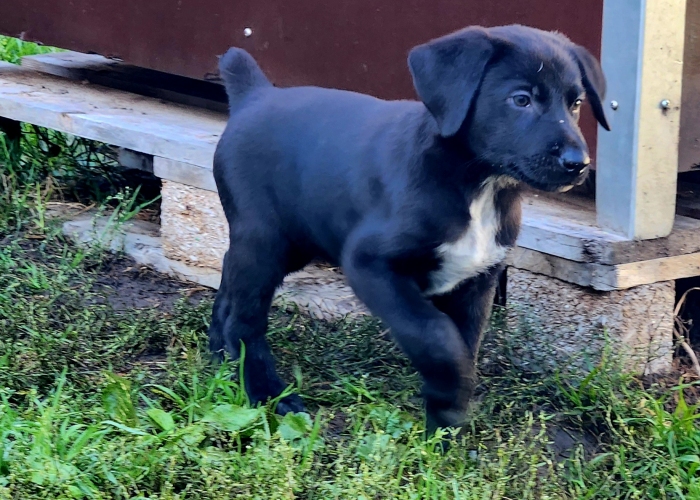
(476, 250)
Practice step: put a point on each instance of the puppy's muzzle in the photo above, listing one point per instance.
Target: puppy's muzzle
(574, 160)
(576, 163)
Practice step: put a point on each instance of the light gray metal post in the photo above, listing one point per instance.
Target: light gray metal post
(637, 162)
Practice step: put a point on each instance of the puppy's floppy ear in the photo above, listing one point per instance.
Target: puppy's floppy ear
(447, 73)
(593, 82)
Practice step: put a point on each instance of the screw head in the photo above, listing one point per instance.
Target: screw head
(665, 104)
(614, 105)
(247, 32)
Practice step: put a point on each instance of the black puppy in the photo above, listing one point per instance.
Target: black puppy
(417, 201)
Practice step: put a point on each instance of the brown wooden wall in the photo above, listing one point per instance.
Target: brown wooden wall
(689, 149)
(351, 44)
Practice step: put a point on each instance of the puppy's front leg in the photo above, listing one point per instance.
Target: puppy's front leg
(469, 306)
(428, 336)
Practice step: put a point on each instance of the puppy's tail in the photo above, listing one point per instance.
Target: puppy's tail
(241, 74)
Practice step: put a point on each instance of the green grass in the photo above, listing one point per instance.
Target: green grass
(104, 401)
(13, 49)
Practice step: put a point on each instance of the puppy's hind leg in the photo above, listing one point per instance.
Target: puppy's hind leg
(253, 268)
(220, 313)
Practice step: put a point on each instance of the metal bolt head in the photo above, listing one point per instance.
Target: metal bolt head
(614, 105)
(247, 32)
(665, 104)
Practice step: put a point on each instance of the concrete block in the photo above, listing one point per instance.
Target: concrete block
(193, 225)
(562, 324)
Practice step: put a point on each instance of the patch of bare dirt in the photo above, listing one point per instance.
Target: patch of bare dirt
(127, 285)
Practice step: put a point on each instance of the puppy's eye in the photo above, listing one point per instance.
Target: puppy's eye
(577, 104)
(521, 100)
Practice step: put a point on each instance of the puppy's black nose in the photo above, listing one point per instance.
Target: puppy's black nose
(574, 159)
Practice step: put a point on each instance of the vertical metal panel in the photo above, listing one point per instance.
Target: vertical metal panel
(617, 152)
(638, 161)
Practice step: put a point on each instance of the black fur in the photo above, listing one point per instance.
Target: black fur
(507, 202)
(378, 186)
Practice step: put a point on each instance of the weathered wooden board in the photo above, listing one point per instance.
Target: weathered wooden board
(568, 229)
(689, 147)
(134, 160)
(656, 270)
(101, 70)
(578, 273)
(111, 116)
(604, 277)
(184, 173)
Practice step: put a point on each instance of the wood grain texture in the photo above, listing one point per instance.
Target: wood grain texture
(131, 121)
(568, 229)
(607, 278)
(689, 147)
(184, 173)
(101, 70)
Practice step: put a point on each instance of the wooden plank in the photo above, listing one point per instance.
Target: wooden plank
(568, 229)
(578, 273)
(114, 117)
(100, 70)
(134, 160)
(642, 56)
(565, 230)
(607, 278)
(184, 173)
(597, 276)
(653, 271)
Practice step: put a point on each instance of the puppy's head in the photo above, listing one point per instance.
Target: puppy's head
(513, 96)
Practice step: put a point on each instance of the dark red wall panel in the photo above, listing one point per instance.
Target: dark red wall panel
(352, 44)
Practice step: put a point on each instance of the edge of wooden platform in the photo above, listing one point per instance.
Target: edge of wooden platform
(143, 124)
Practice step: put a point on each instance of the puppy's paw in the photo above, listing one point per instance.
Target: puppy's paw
(444, 420)
(290, 404)
(217, 347)
(217, 357)
(451, 430)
